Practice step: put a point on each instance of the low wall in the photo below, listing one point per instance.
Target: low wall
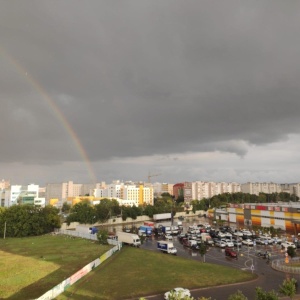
(281, 265)
(61, 287)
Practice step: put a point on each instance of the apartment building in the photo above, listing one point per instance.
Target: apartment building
(4, 184)
(62, 191)
(160, 188)
(178, 190)
(188, 194)
(24, 194)
(138, 193)
(260, 187)
(203, 189)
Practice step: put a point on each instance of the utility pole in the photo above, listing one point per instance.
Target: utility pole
(4, 230)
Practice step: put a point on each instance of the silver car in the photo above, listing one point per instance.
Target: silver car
(179, 292)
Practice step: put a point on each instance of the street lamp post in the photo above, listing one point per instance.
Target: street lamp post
(172, 212)
(4, 230)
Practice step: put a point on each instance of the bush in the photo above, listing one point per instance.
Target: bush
(288, 287)
(238, 296)
(102, 236)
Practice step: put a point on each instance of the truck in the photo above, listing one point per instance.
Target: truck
(146, 230)
(206, 238)
(148, 223)
(165, 216)
(128, 238)
(167, 247)
(166, 230)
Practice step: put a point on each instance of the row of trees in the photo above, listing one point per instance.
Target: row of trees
(85, 212)
(28, 220)
(226, 198)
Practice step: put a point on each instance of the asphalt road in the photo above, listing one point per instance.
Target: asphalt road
(268, 278)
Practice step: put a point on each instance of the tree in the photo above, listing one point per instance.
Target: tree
(291, 252)
(125, 212)
(28, 220)
(115, 208)
(238, 296)
(149, 210)
(82, 212)
(202, 250)
(288, 287)
(102, 236)
(103, 210)
(263, 295)
(134, 212)
(66, 207)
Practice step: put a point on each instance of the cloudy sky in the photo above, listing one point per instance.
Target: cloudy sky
(190, 90)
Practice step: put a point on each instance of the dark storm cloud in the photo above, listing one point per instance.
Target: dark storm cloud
(137, 78)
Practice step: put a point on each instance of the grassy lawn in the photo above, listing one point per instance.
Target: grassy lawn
(134, 272)
(31, 266)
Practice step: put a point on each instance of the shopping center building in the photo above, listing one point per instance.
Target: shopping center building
(285, 216)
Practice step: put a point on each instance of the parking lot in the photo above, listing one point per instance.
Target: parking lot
(247, 255)
(247, 259)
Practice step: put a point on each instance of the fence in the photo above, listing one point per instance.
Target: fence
(75, 233)
(281, 265)
(61, 287)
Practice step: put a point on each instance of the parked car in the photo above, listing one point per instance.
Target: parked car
(237, 243)
(179, 292)
(228, 243)
(260, 241)
(238, 233)
(277, 240)
(209, 242)
(185, 242)
(220, 244)
(221, 235)
(231, 253)
(168, 237)
(228, 235)
(247, 242)
(195, 247)
(286, 245)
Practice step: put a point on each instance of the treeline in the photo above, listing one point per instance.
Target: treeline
(86, 213)
(28, 220)
(226, 198)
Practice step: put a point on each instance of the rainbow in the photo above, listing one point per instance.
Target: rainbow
(56, 111)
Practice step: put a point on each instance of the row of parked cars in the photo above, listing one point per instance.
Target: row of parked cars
(225, 237)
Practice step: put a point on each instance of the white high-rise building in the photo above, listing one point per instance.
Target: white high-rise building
(260, 187)
(203, 189)
(23, 194)
(127, 192)
(62, 191)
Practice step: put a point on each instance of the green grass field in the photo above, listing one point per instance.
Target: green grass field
(31, 266)
(135, 272)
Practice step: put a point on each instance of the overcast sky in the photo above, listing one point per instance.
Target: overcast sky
(190, 90)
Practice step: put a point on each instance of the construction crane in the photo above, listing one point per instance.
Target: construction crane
(152, 175)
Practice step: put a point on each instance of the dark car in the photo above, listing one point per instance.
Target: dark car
(185, 242)
(195, 247)
(231, 253)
